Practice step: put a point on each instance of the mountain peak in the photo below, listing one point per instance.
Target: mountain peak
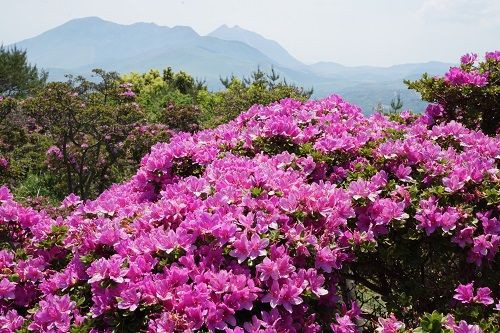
(267, 46)
(87, 20)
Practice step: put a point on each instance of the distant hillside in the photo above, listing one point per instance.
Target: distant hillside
(367, 86)
(269, 47)
(80, 45)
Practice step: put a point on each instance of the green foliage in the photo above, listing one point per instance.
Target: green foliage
(396, 104)
(181, 117)
(155, 91)
(432, 323)
(259, 88)
(87, 122)
(180, 101)
(23, 149)
(185, 167)
(55, 237)
(17, 76)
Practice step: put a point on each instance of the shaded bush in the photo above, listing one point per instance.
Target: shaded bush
(87, 123)
(180, 117)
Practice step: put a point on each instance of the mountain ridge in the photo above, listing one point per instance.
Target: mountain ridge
(267, 46)
(82, 44)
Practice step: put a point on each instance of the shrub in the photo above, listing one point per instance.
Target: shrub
(295, 217)
(241, 94)
(180, 117)
(156, 91)
(22, 151)
(469, 93)
(186, 97)
(137, 144)
(87, 123)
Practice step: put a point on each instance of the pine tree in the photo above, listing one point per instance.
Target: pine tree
(396, 104)
(17, 76)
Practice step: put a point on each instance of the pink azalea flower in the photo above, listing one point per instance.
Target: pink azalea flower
(326, 259)
(344, 325)
(54, 315)
(468, 58)
(464, 293)
(11, 322)
(495, 55)
(286, 295)
(463, 327)
(249, 248)
(7, 289)
(483, 296)
(389, 325)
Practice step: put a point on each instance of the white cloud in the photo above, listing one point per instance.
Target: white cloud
(462, 11)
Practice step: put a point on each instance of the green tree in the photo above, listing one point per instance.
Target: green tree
(88, 123)
(240, 94)
(396, 103)
(17, 76)
(22, 152)
(155, 91)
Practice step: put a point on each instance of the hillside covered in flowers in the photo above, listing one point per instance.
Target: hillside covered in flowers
(294, 217)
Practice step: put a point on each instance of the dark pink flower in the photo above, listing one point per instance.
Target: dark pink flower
(464, 293)
(7, 289)
(389, 325)
(249, 248)
(468, 58)
(483, 296)
(463, 327)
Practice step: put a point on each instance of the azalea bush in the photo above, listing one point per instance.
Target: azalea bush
(241, 93)
(22, 153)
(294, 217)
(469, 93)
(87, 123)
(178, 117)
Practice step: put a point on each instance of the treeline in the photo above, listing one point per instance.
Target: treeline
(81, 136)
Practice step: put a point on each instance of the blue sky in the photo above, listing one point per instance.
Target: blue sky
(351, 32)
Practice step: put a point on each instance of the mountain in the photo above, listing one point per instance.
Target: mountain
(369, 85)
(80, 45)
(377, 74)
(90, 40)
(268, 47)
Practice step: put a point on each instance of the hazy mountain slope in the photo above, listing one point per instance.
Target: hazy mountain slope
(371, 74)
(92, 40)
(268, 47)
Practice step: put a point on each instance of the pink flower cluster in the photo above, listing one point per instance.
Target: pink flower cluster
(127, 90)
(244, 228)
(468, 59)
(459, 77)
(465, 294)
(493, 55)
(466, 74)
